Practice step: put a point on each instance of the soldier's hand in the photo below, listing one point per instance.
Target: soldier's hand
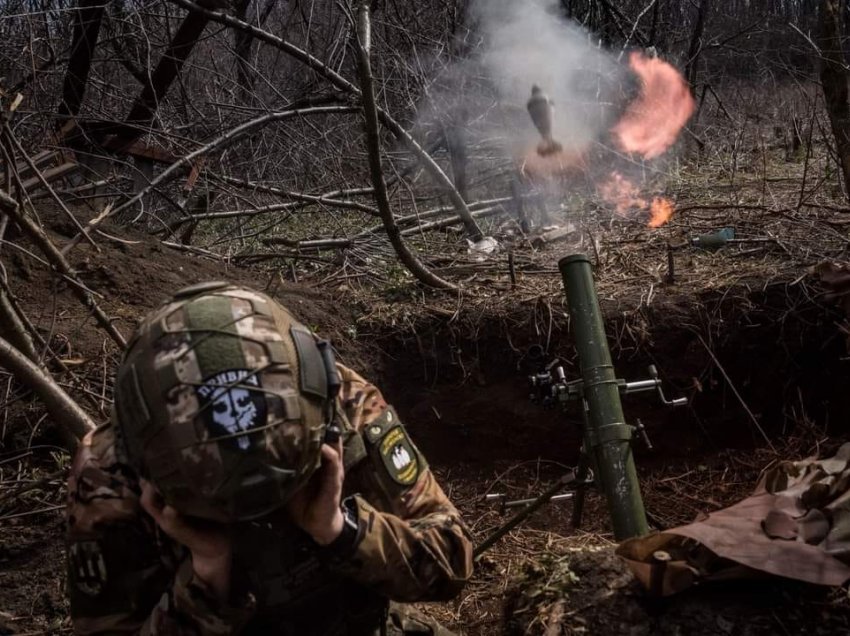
(315, 508)
(207, 541)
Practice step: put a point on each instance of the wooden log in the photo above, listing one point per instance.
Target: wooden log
(552, 236)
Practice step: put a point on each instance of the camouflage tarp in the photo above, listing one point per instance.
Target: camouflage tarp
(796, 524)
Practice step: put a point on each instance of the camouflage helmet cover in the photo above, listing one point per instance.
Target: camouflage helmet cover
(221, 401)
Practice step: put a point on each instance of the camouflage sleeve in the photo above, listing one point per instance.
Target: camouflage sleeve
(413, 544)
(123, 576)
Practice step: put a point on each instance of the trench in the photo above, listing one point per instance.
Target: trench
(775, 354)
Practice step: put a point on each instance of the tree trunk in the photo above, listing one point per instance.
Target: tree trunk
(833, 77)
(87, 19)
(242, 48)
(695, 47)
(373, 151)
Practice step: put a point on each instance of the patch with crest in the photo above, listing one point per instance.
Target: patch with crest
(388, 441)
(232, 405)
(400, 458)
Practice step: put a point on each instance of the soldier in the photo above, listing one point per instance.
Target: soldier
(249, 484)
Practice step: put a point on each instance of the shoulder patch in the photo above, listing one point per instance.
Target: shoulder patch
(390, 442)
(399, 456)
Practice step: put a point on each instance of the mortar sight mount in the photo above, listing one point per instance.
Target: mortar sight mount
(550, 386)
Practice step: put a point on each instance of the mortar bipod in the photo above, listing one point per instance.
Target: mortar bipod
(550, 387)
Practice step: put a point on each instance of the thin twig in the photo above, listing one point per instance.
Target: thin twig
(737, 395)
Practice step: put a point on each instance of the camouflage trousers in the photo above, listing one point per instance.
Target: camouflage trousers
(404, 620)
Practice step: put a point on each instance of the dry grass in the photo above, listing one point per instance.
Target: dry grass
(534, 560)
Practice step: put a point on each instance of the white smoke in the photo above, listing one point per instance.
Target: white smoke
(528, 42)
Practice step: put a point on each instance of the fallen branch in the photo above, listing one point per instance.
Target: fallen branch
(226, 139)
(58, 262)
(478, 211)
(343, 84)
(452, 220)
(193, 250)
(325, 199)
(72, 420)
(307, 244)
(373, 151)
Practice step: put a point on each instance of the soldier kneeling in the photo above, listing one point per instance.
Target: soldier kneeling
(249, 484)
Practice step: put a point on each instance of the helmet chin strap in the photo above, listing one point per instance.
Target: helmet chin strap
(332, 429)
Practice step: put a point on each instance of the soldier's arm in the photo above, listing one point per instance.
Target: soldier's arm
(412, 543)
(123, 576)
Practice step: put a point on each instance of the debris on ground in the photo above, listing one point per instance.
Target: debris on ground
(795, 525)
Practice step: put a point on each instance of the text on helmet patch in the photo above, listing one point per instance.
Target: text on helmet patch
(232, 405)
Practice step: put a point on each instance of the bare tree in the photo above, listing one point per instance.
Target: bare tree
(833, 76)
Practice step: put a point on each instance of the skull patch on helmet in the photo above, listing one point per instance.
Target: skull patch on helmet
(233, 405)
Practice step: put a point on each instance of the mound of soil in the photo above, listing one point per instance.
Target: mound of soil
(592, 592)
(133, 273)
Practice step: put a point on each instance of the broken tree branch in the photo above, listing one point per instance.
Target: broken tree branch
(452, 220)
(343, 84)
(322, 199)
(58, 261)
(373, 150)
(72, 420)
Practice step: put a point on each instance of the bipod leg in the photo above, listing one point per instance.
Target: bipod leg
(583, 480)
(584, 476)
(523, 514)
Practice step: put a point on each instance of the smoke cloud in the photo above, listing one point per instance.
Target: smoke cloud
(607, 114)
(531, 42)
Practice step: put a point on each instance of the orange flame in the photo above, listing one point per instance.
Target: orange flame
(652, 122)
(661, 211)
(625, 197)
(559, 165)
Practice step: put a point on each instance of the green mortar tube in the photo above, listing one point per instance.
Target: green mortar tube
(607, 437)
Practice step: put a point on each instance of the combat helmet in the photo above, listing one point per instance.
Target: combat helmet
(222, 401)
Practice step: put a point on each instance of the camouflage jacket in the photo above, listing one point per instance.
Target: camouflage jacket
(126, 576)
